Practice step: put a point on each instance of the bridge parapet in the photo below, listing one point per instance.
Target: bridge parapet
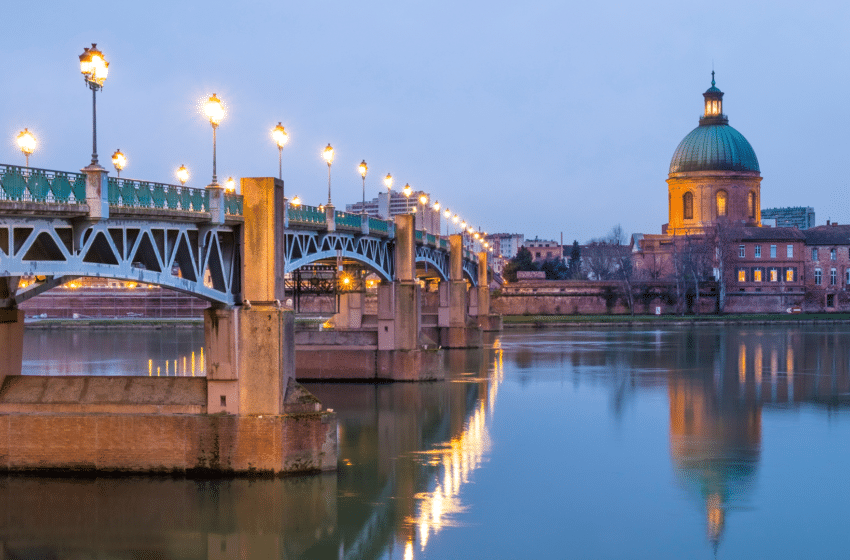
(304, 215)
(46, 186)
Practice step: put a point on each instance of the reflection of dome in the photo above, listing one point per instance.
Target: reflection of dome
(714, 147)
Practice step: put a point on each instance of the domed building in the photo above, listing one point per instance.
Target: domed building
(714, 174)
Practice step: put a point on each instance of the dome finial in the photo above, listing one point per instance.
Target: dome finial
(712, 78)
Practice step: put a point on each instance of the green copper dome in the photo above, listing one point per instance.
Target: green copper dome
(714, 145)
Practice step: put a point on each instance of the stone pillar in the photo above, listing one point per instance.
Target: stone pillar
(460, 332)
(251, 347)
(483, 285)
(350, 314)
(97, 192)
(11, 341)
(399, 302)
(217, 209)
(330, 217)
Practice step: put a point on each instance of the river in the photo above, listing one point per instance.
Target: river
(679, 442)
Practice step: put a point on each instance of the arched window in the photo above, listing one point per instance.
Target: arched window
(721, 203)
(688, 205)
(751, 204)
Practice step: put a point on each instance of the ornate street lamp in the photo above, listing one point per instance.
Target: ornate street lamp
(230, 185)
(363, 168)
(296, 201)
(328, 156)
(447, 213)
(407, 191)
(423, 200)
(388, 182)
(182, 175)
(95, 69)
(214, 111)
(119, 160)
(26, 142)
(280, 137)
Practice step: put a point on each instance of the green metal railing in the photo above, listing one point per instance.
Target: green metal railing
(128, 193)
(444, 243)
(41, 185)
(431, 239)
(233, 204)
(348, 220)
(303, 214)
(418, 235)
(379, 226)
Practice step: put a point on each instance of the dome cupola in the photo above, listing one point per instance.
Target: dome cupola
(714, 145)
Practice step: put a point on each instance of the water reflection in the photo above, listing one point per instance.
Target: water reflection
(718, 381)
(170, 351)
(411, 454)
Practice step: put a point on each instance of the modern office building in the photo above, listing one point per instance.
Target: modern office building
(800, 217)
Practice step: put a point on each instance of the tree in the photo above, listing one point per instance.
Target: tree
(555, 269)
(575, 261)
(624, 268)
(522, 261)
(724, 238)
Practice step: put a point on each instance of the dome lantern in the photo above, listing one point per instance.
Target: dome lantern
(713, 105)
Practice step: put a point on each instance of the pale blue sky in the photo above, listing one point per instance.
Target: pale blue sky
(535, 117)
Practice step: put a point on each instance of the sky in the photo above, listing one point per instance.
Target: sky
(540, 117)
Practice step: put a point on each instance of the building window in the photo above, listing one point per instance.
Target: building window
(688, 205)
(789, 251)
(751, 204)
(832, 254)
(830, 300)
(756, 275)
(721, 203)
(774, 275)
(832, 277)
(789, 274)
(758, 251)
(814, 253)
(847, 279)
(742, 251)
(818, 277)
(742, 274)
(773, 251)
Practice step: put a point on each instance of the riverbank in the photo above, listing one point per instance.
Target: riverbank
(545, 321)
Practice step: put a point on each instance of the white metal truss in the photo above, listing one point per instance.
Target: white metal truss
(198, 259)
(305, 247)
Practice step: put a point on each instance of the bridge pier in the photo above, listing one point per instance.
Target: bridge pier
(12, 342)
(480, 305)
(457, 329)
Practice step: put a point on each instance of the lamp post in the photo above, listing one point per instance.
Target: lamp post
(388, 182)
(119, 160)
(328, 156)
(407, 191)
(447, 213)
(296, 201)
(95, 69)
(363, 168)
(182, 175)
(230, 185)
(280, 137)
(26, 142)
(423, 200)
(214, 111)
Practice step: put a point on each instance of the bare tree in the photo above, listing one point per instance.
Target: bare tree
(624, 267)
(723, 238)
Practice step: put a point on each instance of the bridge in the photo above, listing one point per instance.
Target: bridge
(233, 251)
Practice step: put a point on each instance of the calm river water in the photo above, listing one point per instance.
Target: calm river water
(727, 442)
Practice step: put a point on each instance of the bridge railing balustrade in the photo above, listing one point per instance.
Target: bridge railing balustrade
(233, 204)
(129, 193)
(347, 220)
(378, 226)
(431, 240)
(304, 214)
(22, 184)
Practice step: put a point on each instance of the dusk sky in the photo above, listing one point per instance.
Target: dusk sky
(524, 117)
